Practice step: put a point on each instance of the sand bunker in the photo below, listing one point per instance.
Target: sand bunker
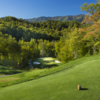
(56, 61)
(36, 62)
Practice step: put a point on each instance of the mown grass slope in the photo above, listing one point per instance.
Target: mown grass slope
(61, 85)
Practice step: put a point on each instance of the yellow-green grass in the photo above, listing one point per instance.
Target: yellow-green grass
(28, 75)
(61, 85)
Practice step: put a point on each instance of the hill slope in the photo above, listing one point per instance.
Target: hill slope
(60, 86)
(61, 18)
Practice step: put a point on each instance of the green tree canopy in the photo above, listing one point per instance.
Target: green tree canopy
(90, 8)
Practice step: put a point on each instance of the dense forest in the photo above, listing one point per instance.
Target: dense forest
(21, 40)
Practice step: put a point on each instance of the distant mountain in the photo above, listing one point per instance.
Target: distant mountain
(61, 18)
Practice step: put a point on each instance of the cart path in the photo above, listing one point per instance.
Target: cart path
(5, 75)
(30, 64)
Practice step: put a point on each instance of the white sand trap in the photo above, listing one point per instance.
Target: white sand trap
(36, 63)
(56, 61)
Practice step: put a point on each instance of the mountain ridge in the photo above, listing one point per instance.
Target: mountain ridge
(79, 18)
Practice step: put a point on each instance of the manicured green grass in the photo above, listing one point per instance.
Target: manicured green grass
(62, 85)
(45, 62)
(38, 73)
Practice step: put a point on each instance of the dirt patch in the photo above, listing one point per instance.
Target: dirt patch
(9, 79)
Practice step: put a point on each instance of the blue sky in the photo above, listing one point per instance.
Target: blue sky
(36, 8)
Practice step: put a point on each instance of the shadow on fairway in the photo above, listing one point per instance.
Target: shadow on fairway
(84, 89)
(47, 66)
(9, 72)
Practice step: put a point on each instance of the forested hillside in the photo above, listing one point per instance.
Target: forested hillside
(21, 40)
(49, 30)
